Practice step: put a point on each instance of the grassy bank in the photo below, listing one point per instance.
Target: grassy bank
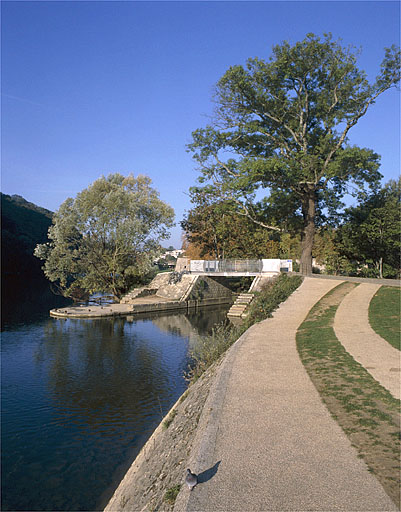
(366, 411)
(384, 314)
(211, 347)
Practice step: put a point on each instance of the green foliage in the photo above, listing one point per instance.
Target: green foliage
(371, 233)
(106, 238)
(281, 126)
(270, 297)
(384, 314)
(209, 348)
(327, 252)
(171, 494)
(219, 232)
(169, 420)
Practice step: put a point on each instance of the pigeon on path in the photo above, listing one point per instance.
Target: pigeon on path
(191, 479)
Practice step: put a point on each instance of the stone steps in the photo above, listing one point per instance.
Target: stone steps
(240, 305)
(145, 291)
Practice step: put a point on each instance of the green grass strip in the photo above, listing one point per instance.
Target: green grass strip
(384, 314)
(367, 412)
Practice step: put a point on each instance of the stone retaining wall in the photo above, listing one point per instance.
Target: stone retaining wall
(206, 288)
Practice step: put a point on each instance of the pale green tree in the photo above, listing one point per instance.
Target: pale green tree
(281, 128)
(106, 239)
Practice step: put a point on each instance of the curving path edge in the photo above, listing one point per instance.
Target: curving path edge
(352, 329)
(266, 433)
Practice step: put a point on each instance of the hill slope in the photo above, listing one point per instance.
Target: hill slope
(23, 225)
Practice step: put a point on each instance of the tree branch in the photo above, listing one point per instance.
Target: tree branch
(246, 213)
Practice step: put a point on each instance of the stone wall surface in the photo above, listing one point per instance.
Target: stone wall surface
(188, 288)
(206, 287)
(176, 291)
(182, 264)
(159, 280)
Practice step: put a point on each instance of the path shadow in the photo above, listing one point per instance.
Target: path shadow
(208, 473)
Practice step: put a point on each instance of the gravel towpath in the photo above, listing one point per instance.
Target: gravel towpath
(352, 328)
(265, 440)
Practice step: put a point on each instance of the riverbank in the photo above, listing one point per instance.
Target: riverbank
(161, 464)
(102, 383)
(138, 306)
(228, 426)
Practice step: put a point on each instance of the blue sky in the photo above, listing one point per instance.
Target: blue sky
(91, 88)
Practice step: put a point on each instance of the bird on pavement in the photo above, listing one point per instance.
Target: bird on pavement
(191, 479)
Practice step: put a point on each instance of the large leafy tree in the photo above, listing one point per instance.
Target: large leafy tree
(281, 127)
(371, 233)
(214, 228)
(107, 237)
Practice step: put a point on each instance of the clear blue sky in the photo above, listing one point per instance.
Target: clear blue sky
(90, 88)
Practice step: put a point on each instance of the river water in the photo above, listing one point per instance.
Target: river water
(80, 397)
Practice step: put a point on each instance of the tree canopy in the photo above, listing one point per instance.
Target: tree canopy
(214, 230)
(106, 238)
(371, 233)
(281, 128)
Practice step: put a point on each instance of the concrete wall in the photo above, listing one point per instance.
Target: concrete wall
(188, 288)
(206, 287)
(182, 264)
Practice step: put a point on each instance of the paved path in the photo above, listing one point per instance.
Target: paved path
(265, 440)
(352, 328)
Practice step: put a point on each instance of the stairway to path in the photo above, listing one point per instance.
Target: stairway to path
(240, 305)
(163, 288)
(143, 291)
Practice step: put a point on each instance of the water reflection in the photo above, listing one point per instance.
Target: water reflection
(106, 371)
(80, 397)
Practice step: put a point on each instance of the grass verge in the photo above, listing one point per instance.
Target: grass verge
(384, 314)
(367, 412)
(171, 494)
(169, 420)
(211, 347)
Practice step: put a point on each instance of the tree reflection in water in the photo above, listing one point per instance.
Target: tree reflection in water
(97, 389)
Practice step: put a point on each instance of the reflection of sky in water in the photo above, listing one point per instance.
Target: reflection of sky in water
(79, 398)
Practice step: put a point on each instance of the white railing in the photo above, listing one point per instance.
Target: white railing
(240, 266)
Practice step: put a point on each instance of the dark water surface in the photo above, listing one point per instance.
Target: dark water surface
(80, 397)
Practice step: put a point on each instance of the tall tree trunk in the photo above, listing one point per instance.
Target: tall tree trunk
(308, 235)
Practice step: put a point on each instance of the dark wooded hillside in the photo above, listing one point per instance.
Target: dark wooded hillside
(23, 225)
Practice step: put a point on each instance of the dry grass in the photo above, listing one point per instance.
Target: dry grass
(366, 411)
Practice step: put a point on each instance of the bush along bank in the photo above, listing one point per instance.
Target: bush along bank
(210, 348)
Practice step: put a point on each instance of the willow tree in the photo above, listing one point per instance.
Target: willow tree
(106, 238)
(282, 127)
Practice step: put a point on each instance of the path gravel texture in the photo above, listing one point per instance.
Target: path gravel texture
(352, 328)
(265, 441)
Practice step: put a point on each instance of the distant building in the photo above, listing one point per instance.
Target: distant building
(176, 253)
